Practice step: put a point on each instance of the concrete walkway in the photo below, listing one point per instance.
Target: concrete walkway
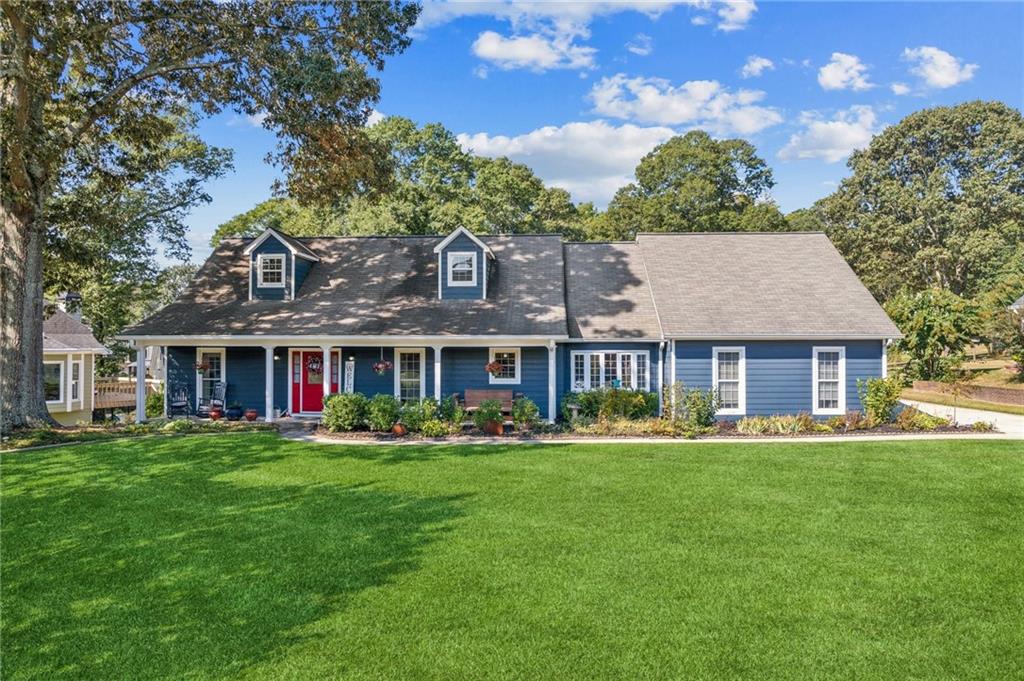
(1011, 425)
(834, 439)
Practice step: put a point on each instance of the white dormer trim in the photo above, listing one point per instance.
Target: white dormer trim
(269, 232)
(472, 237)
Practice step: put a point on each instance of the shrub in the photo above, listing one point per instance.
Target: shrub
(178, 426)
(753, 425)
(155, 404)
(345, 412)
(414, 414)
(880, 397)
(489, 410)
(525, 413)
(382, 412)
(983, 427)
(611, 403)
(452, 412)
(623, 427)
(700, 407)
(914, 419)
(435, 428)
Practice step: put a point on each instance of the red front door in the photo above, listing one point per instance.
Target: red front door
(308, 380)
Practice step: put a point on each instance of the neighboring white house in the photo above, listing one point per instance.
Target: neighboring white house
(1018, 307)
(69, 354)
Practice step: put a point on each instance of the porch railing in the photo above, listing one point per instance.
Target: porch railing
(120, 392)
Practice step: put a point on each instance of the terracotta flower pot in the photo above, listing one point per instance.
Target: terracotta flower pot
(215, 414)
(494, 428)
(399, 429)
(251, 414)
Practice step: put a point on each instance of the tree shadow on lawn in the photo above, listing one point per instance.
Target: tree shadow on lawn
(154, 561)
(399, 453)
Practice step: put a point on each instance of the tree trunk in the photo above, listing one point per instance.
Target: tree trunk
(22, 401)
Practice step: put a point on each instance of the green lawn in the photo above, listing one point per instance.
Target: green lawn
(251, 556)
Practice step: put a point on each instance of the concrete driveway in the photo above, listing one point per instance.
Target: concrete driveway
(1010, 424)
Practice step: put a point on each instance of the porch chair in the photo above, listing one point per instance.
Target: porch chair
(178, 404)
(216, 400)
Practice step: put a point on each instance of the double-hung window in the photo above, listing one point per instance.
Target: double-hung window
(462, 269)
(508, 360)
(829, 380)
(53, 381)
(409, 374)
(592, 370)
(271, 270)
(729, 379)
(76, 380)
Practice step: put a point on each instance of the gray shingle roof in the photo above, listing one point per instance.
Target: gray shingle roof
(368, 286)
(63, 333)
(743, 285)
(607, 293)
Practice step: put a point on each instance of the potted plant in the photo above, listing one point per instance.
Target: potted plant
(216, 413)
(493, 368)
(251, 414)
(233, 412)
(488, 417)
(399, 429)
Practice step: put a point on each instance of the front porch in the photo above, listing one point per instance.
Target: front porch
(293, 379)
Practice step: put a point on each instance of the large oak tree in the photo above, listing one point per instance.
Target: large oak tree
(101, 75)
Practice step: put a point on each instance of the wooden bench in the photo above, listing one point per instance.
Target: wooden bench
(475, 397)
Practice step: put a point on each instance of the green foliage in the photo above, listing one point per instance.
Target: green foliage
(851, 420)
(525, 413)
(644, 427)
(936, 325)
(155, 404)
(913, 419)
(880, 397)
(610, 403)
(415, 414)
(382, 412)
(694, 183)
(435, 428)
(936, 200)
(452, 412)
(489, 411)
(983, 426)
(700, 407)
(345, 412)
(785, 424)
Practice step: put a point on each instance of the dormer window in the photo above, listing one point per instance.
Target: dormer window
(270, 270)
(462, 269)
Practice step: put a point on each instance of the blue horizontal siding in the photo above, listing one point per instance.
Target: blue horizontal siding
(463, 368)
(462, 244)
(244, 368)
(302, 267)
(779, 373)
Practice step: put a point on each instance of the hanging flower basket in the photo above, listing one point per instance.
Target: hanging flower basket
(202, 368)
(382, 367)
(493, 368)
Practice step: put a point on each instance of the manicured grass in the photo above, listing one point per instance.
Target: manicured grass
(948, 400)
(251, 556)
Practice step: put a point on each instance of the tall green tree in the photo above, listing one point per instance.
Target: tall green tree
(937, 324)
(78, 75)
(935, 200)
(694, 183)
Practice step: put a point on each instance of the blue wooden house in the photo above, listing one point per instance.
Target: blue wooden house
(776, 322)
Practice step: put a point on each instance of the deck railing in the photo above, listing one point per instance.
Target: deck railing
(120, 392)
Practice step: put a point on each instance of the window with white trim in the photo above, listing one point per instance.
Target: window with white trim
(76, 380)
(509, 361)
(729, 379)
(53, 381)
(829, 380)
(270, 268)
(596, 369)
(409, 376)
(462, 269)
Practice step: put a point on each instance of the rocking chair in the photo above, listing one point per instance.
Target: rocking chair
(216, 400)
(178, 403)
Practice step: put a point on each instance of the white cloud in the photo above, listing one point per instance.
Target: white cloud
(705, 103)
(938, 68)
(535, 52)
(734, 14)
(591, 160)
(832, 140)
(374, 118)
(844, 71)
(755, 66)
(642, 45)
(700, 20)
(900, 89)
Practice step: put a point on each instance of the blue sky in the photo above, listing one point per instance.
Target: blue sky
(581, 91)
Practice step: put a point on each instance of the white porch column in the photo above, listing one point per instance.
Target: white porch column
(140, 383)
(268, 386)
(327, 370)
(437, 372)
(552, 378)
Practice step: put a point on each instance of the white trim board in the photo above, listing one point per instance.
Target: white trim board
(491, 380)
(267, 233)
(741, 408)
(472, 237)
(841, 409)
(397, 369)
(450, 269)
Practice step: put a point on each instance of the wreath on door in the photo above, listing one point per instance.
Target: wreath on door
(314, 365)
